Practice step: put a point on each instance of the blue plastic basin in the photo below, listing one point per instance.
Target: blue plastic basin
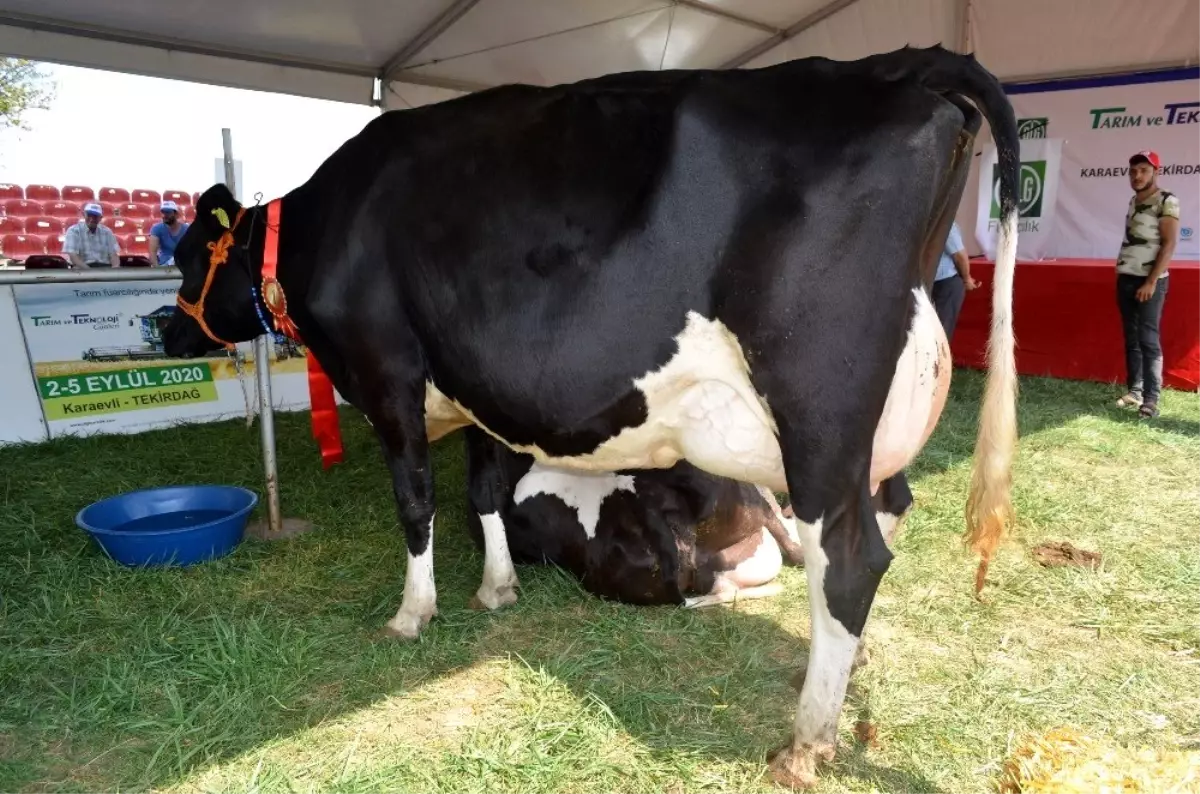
(176, 525)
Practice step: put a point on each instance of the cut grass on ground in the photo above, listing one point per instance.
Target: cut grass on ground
(266, 671)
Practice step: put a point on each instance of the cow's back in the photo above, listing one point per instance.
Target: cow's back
(560, 240)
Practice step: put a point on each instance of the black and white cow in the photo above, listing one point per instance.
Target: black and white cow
(724, 267)
(643, 536)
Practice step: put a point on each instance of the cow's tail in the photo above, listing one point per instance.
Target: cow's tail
(989, 505)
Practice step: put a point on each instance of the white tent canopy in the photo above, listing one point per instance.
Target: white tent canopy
(409, 53)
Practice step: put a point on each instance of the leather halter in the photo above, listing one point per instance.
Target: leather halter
(219, 256)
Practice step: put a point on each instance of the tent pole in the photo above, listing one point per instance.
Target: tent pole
(262, 369)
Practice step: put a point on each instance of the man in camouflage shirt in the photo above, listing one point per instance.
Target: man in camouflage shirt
(1151, 226)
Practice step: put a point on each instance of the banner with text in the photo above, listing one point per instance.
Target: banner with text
(98, 360)
(1037, 198)
(1100, 128)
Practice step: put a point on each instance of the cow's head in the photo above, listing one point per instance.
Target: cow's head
(216, 305)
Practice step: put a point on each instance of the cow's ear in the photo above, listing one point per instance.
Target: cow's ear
(216, 210)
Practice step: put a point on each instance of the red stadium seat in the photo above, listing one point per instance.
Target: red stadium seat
(23, 208)
(189, 214)
(135, 210)
(78, 194)
(11, 225)
(22, 246)
(53, 258)
(122, 227)
(41, 192)
(65, 210)
(110, 209)
(138, 244)
(117, 195)
(178, 196)
(143, 196)
(43, 225)
(195, 198)
(11, 191)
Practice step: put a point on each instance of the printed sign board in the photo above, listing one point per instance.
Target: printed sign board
(98, 362)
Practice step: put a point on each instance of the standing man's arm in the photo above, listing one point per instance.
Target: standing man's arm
(1168, 229)
(963, 265)
(958, 252)
(152, 239)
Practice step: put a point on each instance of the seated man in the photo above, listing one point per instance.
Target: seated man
(164, 236)
(658, 536)
(89, 243)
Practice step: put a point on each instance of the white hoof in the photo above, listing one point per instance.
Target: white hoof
(495, 597)
(408, 625)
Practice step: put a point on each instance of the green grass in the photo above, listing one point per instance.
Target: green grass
(266, 671)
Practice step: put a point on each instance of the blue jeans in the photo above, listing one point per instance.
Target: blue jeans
(1143, 348)
(947, 296)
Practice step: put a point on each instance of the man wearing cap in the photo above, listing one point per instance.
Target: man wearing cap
(165, 236)
(1151, 226)
(89, 243)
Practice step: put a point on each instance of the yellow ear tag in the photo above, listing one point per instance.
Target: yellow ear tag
(222, 216)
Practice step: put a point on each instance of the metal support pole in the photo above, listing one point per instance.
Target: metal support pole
(262, 368)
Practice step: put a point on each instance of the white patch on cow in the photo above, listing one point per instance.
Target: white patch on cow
(887, 525)
(700, 406)
(831, 652)
(749, 579)
(420, 594)
(731, 595)
(759, 568)
(912, 398)
(442, 415)
(789, 524)
(499, 576)
(583, 492)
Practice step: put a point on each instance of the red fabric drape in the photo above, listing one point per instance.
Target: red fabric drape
(1068, 326)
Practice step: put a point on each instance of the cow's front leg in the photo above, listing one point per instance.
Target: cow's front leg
(490, 492)
(406, 449)
(845, 558)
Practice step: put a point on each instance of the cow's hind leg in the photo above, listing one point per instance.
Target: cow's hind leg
(845, 559)
(489, 493)
(891, 503)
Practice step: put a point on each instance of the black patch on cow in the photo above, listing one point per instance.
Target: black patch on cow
(894, 496)
(857, 562)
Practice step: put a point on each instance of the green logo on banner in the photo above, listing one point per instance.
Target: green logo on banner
(1030, 188)
(1032, 128)
(132, 389)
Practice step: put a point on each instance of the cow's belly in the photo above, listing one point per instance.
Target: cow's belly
(702, 407)
(916, 397)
